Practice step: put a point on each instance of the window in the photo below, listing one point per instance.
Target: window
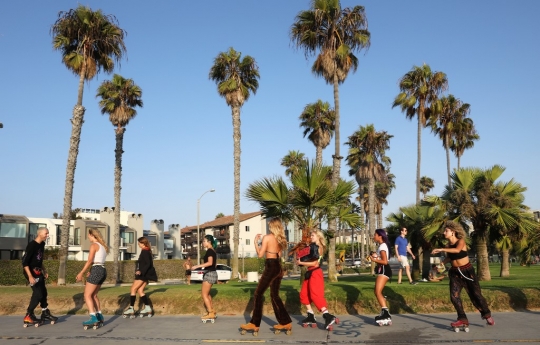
(248, 242)
(77, 237)
(33, 230)
(128, 237)
(13, 230)
(247, 228)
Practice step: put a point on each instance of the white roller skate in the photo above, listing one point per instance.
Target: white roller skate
(129, 312)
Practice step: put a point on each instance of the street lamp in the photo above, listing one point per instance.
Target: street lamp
(198, 234)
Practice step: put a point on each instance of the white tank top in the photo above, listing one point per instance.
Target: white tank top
(101, 254)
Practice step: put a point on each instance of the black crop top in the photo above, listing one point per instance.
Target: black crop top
(456, 256)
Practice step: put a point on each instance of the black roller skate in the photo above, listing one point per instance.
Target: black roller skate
(384, 318)
(31, 320)
(309, 321)
(329, 320)
(47, 316)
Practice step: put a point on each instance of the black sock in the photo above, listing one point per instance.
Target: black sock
(132, 300)
(144, 299)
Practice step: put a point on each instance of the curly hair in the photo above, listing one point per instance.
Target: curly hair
(276, 228)
(456, 228)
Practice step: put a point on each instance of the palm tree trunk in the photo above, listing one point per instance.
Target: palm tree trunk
(318, 155)
(447, 160)
(505, 263)
(76, 127)
(117, 189)
(371, 212)
(419, 158)
(458, 161)
(236, 219)
(426, 262)
(482, 264)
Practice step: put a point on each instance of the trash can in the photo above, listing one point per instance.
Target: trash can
(253, 277)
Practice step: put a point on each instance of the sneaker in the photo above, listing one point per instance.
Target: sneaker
(424, 280)
(413, 283)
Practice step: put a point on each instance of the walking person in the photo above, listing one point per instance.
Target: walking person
(187, 266)
(96, 276)
(144, 273)
(312, 290)
(402, 248)
(462, 275)
(384, 273)
(36, 275)
(210, 275)
(270, 247)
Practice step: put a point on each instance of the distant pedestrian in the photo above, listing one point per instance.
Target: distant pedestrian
(313, 285)
(384, 273)
(270, 247)
(36, 275)
(402, 248)
(187, 266)
(96, 276)
(462, 275)
(144, 272)
(434, 274)
(210, 276)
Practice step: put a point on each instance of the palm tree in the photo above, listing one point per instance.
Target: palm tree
(119, 97)
(420, 88)
(89, 42)
(449, 111)
(383, 189)
(236, 79)
(426, 184)
(318, 120)
(293, 161)
(333, 34)
(464, 137)
(371, 146)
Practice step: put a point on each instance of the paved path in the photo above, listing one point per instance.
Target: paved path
(510, 328)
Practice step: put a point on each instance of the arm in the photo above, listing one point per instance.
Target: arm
(206, 264)
(26, 264)
(144, 262)
(93, 249)
(383, 260)
(460, 246)
(396, 250)
(262, 248)
(410, 252)
(308, 263)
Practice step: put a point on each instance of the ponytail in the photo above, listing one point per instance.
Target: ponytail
(212, 240)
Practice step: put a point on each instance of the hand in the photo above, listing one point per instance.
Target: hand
(435, 251)
(78, 278)
(138, 273)
(413, 257)
(257, 237)
(31, 280)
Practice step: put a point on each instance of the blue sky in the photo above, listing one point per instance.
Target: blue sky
(180, 144)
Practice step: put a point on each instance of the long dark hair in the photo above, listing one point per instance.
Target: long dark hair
(382, 233)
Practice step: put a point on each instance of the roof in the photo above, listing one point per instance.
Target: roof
(221, 221)
(11, 218)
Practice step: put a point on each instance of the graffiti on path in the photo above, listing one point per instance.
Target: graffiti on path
(348, 328)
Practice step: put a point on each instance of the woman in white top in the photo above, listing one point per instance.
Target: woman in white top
(96, 276)
(384, 272)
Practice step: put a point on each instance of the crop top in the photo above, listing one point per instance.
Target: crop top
(456, 256)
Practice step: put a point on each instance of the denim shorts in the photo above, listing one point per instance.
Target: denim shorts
(210, 277)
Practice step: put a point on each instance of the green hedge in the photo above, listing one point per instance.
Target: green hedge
(11, 272)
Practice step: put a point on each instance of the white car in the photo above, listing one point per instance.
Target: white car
(224, 273)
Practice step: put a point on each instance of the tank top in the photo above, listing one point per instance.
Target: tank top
(101, 254)
(456, 256)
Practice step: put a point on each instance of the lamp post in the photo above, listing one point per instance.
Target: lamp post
(198, 234)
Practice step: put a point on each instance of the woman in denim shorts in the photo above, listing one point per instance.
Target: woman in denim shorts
(210, 276)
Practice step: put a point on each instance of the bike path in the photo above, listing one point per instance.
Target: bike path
(510, 328)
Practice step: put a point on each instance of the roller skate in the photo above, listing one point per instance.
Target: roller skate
(460, 325)
(146, 311)
(489, 320)
(249, 327)
(31, 319)
(384, 318)
(47, 316)
(309, 321)
(93, 322)
(100, 318)
(285, 328)
(329, 321)
(210, 316)
(129, 312)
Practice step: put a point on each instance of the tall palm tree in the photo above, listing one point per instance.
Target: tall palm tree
(293, 161)
(119, 97)
(426, 184)
(334, 34)
(383, 189)
(420, 88)
(236, 79)
(372, 146)
(448, 112)
(318, 119)
(465, 135)
(89, 41)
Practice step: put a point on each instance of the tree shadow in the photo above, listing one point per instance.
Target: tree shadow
(124, 300)
(352, 294)
(396, 302)
(517, 299)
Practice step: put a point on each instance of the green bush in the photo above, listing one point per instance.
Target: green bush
(11, 271)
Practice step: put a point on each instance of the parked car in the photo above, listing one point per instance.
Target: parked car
(224, 273)
(355, 263)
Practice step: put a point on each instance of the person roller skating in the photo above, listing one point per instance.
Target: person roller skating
(144, 272)
(312, 290)
(384, 272)
(31, 320)
(210, 277)
(93, 322)
(462, 275)
(47, 316)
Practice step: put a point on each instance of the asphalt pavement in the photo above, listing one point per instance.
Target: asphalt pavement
(509, 328)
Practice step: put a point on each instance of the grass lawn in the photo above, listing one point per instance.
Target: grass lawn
(350, 295)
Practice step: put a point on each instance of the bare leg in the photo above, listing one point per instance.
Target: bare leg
(205, 293)
(89, 290)
(380, 282)
(399, 275)
(408, 271)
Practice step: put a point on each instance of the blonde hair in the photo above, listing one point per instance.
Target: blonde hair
(456, 228)
(95, 232)
(322, 241)
(276, 228)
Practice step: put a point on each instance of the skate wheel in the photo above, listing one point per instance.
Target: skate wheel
(289, 332)
(456, 330)
(150, 315)
(277, 331)
(36, 325)
(95, 327)
(313, 325)
(243, 331)
(132, 316)
(304, 325)
(203, 321)
(255, 333)
(124, 316)
(25, 325)
(141, 315)
(466, 329)
(389, 323)
(52, 322)
(85, 328)
(213, 321)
